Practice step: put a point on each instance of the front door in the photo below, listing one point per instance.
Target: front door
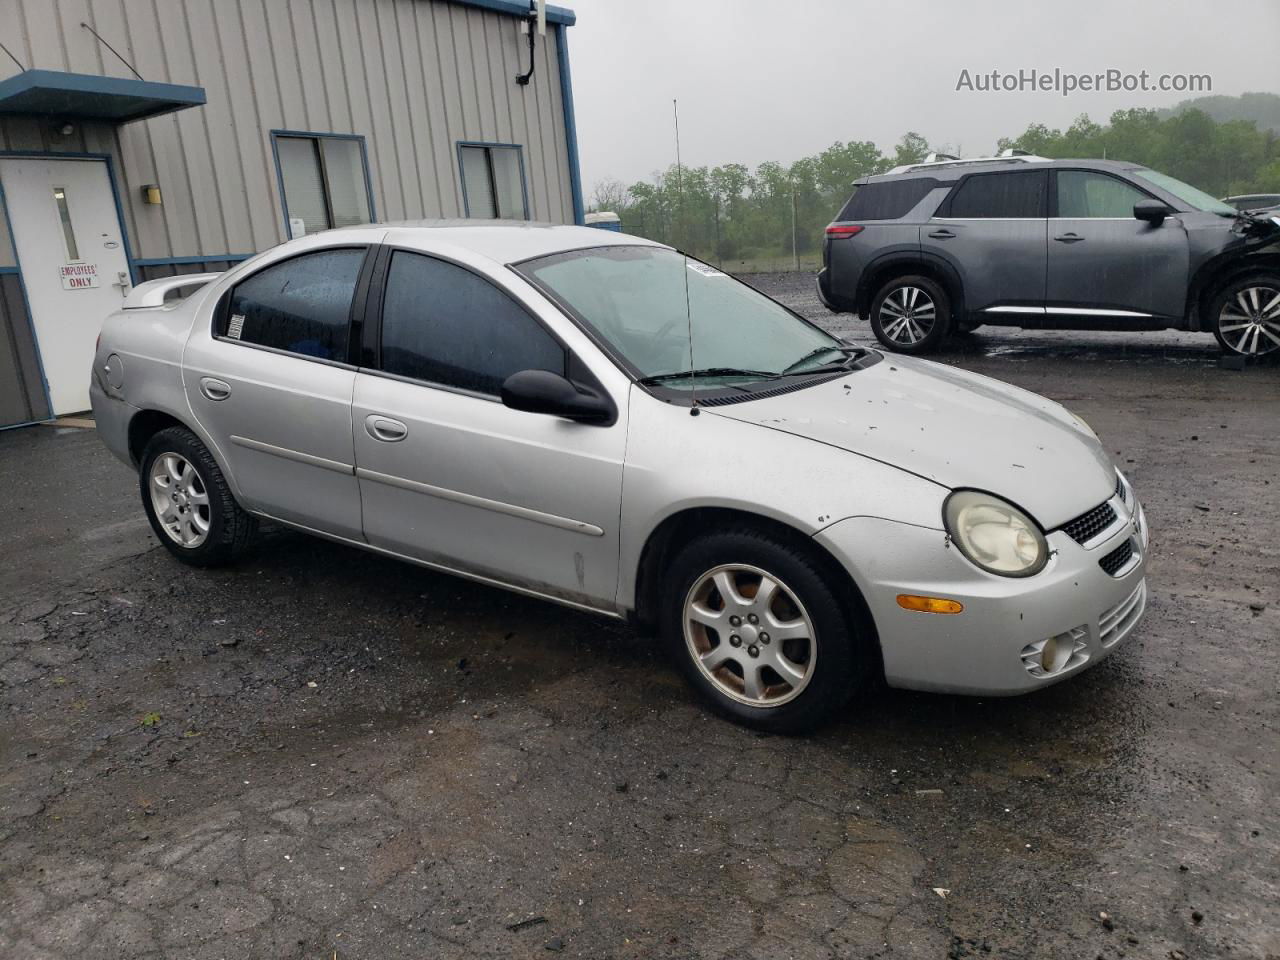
(70, 246)
(450, 475)
(1104, 262)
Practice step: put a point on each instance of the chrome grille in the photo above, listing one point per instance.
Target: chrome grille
(1087, 526)
(1117, 558)
(1124, 498)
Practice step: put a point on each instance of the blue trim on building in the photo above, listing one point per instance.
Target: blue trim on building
(31, 320)
(7, 271)
(570, 125)
(560, 16)
(316, 135)
(89, 96)
(182, 261)
(524, 183)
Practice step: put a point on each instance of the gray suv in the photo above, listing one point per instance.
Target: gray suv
(1023, 241)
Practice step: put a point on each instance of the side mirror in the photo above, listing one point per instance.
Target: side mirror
(541, 391)
(1152, 211)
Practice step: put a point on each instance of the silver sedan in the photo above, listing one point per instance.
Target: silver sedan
(600, 421)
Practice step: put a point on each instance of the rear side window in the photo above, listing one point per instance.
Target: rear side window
(1083, 194)
(302, 305)
(445, 325)
(886, 199)
(1019, 194)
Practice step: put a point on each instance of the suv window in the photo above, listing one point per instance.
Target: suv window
(302, 305)
(1084, 193)
(1018, 194)
(886, 199)
(446, 325)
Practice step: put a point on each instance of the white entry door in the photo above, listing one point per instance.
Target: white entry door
(70, 246)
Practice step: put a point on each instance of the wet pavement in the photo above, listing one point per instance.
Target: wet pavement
(322, 752)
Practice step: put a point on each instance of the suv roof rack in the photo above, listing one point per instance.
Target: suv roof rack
(947, 160)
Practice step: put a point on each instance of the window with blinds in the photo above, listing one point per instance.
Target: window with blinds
(493, 181)
(325, 182)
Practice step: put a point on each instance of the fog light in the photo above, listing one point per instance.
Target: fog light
(909, 601)
(1056, 652)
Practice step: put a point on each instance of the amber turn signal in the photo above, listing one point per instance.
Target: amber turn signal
(908, 601)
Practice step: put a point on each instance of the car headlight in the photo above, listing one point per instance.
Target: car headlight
(994, 534)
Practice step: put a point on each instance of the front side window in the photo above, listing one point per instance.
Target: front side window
(1016, 195)
(1083, 194)
(493, 181)
(446, 325)
(302, 305)
(668, 316)
(325, 182)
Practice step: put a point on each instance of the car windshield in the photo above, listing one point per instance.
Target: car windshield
(644, 301)
(1185, 192)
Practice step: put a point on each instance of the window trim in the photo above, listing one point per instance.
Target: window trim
(370, 354)
(492, 145)
(355, 314)
(317, 135)
(944, 209)
(1053, 191)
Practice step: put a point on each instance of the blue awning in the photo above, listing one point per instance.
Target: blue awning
(85, 96)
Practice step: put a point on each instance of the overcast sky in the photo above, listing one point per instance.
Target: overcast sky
(767, 80)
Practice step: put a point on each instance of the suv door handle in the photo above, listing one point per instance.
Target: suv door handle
(384, 428)
(214, 389)
(942, 234)
(1069, 238)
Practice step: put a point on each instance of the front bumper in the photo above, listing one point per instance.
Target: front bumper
(995, 647)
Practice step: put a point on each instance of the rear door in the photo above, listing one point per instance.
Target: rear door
(451, 476)
(1103, 261)
(271, 382)
(992, 230)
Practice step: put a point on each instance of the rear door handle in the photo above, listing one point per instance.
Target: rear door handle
(215, 389)
(384, 428)
(942, 234)
(1069, 238)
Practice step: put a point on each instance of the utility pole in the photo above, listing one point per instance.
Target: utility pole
(675, 116)
(795, 255)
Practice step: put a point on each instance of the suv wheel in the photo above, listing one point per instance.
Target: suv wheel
(758, 630)
(1246, 315)
(188, 501)
(911, 315)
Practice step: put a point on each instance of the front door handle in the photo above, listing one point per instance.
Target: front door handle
(1069, 238)
(215, 389)
(384, 428)
(942, 234)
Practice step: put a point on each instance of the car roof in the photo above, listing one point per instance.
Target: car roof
(504, 241)
(951, 171)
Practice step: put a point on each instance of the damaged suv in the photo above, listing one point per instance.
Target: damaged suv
(1023, 241)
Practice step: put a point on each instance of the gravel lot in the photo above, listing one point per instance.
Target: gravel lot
(324, 753)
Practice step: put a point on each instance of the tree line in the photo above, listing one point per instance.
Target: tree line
(731, 213)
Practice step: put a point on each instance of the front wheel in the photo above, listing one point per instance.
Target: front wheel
(911, 315)
(189, 503)
(757, 628)
(1246, 316)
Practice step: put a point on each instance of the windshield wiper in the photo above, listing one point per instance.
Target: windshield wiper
(846, 350)
(709, 372)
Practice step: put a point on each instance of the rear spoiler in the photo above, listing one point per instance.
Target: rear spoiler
(152, 293)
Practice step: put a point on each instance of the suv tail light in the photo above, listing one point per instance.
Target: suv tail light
(843, 229)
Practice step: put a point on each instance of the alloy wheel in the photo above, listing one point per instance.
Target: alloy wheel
(907, 315)
(1250, 322)
(180, 500)
(750, 635)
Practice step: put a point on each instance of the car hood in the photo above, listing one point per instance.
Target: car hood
(956, 428)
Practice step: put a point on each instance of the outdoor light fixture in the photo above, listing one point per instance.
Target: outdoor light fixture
(151, 194)
(67, 129)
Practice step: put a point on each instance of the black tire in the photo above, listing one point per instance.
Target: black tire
(1240, 342)
(898, 338)
(230, 529)
(841, 665)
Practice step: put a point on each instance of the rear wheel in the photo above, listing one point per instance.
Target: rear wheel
(1246, 315)
(911, 315)
(189, 503)
(758, 630)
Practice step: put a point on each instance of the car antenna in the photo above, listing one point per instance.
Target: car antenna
(688, 312)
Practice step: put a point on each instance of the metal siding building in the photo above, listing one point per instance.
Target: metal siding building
(418, 82)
